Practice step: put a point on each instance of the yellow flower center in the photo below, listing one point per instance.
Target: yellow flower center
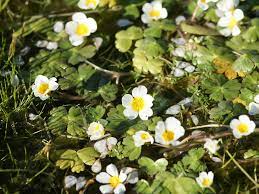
(168, 135)
(89, 2)
(82, 29)
(144, 136)
(42, 89)
(114, 181)
(138, 104)
(154, 13)
(232, 23)
(242, 128)
(203, 1)
(206, 182)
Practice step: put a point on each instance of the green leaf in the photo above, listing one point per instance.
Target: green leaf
(88, 155)
(123, 45)
(243, 64)
(251, 154)
(130, 150)
(76, 122)
(95, 114)
(108, 92)
(198, 30)
(152, 167)
(223, 108)
(132, 11)
(57, 122)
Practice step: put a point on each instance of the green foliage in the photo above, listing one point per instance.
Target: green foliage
(152, 167)
(124, 38)
(155, 28)
(129, 149)
(108, 92)
(190, 163)
(166, 183)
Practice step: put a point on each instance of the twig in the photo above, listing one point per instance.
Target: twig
(194, 13)
(243, 170)
(209, 126)
(114, 74)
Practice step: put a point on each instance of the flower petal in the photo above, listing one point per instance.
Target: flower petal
(120, 189)
(103, 177)
(126, 100)
(139, 91)
(106, 189)
(112, 170)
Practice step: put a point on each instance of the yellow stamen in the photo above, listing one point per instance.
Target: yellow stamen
(138, 104)
(144, 136)
(232, 23)
(42, 89)
(114, 181)
(154, 13)
(168, 135)
(82, 29)
(89, 2)
(206, 182)
(242, 128)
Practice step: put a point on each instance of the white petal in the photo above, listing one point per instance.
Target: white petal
(164, 13)
(53, 85)
(172, 122)
(112, 170)
(103, 177)
(97, 166)
(147, 7)
(236, 133)
(234, 123)
(92, 24)
(225, 32)
(238, 14)
(106, 189)
(244, 119)
(130, 114)
(235, 31)
(173, 110)
(157, 5)
(210, 175)
(195, 119)
(133, 177)
(58, 27)
(145, 19)
(111, 141)
(120, 189)
(203, 6)
(256, 98)
(179, 19)
(253, 108)
(224, 21)
(122, 176)
(189, 69)
(41, 79)
(178, 72)
(52, 46)
(79, 17)
(182, 64)
(139, 91)
(76, 40)
(126, 100)
(148, 99)
(70, 181)
(80, 183)
(70, 27)
(144, 114)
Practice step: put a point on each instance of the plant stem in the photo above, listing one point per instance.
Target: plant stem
(194, 13)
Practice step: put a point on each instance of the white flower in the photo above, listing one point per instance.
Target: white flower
(179, 52)
(178, 72)
(205, 179)
(58, 27)
(203, 4)
(139, 103)
(179, 19)
(173, 110)
(80, 27)
(88, 4)
(253, 107)
(189, 68)
(224, 6)
(70, 181)
(179, 41)
(42, 43)
(153, 11)
(212, 146)
(43, 86)
(97, 166)
(98, 42)
(142, 137)
(105, 145)
(242, 126)
(229, 22)
(112, 179)
(169, 132)
(95, 131)
(52, 46)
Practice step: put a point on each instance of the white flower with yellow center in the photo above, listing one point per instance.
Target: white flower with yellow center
(153, 11)
(230, 21)
(142, 137)
(112, 179)
(80, 27)
(242, 126)
(88, 4)
(212, 146)
(95, 131)
(205, 179)
(139, 103)
(169, 132)
(225, 6)
(43, 86)
(204, 4)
